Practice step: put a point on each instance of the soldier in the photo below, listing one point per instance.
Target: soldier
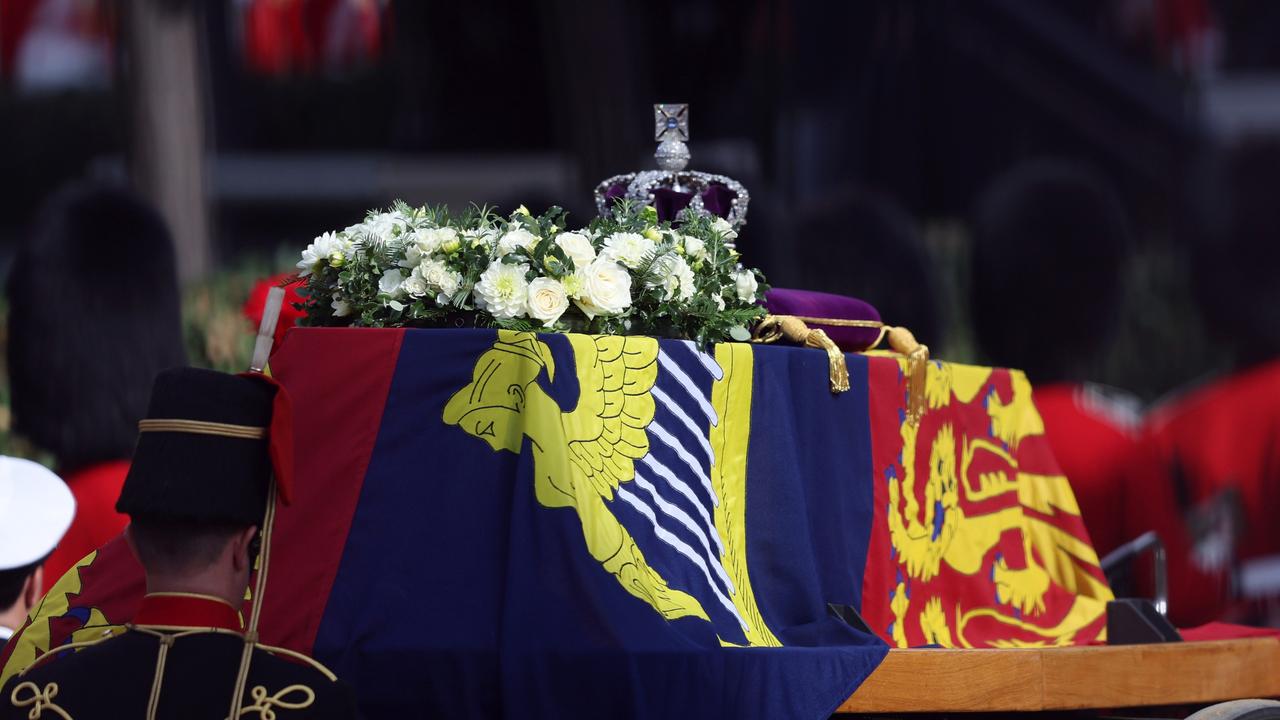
(196, 495)
(1051, 251)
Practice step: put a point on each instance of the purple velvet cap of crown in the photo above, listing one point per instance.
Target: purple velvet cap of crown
(669, 203)
(717, 198)
(807, 303)
(614, 193)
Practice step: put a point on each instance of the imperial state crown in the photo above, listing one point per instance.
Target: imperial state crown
(671, 188)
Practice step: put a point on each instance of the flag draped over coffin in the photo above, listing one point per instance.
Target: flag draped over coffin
(498, 523)
(978, 539)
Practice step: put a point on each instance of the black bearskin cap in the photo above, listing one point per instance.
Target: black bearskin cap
(93, 315)
(1051, 252)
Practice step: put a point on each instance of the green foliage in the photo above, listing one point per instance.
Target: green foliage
(422, 267)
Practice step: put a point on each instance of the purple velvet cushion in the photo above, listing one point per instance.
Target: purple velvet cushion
(807, 303)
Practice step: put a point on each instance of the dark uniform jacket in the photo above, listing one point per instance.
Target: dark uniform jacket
(125, 677)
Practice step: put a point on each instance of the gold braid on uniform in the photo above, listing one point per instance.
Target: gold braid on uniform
(255, 610)
(153, 701)
(307, 659)
(167, 639)
(108, 632)
(39, 700)
(202, 427)
(263, 704)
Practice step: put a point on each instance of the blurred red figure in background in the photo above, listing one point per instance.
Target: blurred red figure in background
(289, 315)
(283, 37)
(1050, 259)
(1216, 449)
(1092, 437)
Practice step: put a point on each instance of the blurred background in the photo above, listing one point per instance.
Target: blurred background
(254, 125)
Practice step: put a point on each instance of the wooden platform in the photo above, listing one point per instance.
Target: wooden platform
(1070, 678)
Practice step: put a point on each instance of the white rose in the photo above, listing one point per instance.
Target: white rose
(606, 288)
(326, 248)
(439, 277)
(387, 226)
(502, 290)
(630, 249)
(355, 232)
(722, 226)
(430, 240)
(412, 256)
(341, 308)
(719, 300)
(519, 238)
(577, 247)
(695, 248)
(391, 281)
(745, 283)
(415, 285)
(547, 300)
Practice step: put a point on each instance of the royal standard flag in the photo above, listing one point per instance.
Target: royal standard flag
(493, 523)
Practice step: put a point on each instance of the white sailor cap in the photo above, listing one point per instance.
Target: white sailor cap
(36, 508)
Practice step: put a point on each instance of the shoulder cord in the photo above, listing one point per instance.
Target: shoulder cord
(255, 611)
(167, 640)
(107, 634)
(153, 701)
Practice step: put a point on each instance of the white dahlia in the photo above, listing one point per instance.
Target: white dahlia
(675, 277)
(503, 291)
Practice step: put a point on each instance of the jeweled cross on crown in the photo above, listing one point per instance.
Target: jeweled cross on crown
(671, 120)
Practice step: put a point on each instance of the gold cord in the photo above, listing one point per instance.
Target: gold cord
(838, 322)
(39, 700)
(319, 666)
(251, 637)
(198, 596)
(107, 634)
(775, 327)
(793, 328)
(264, 704)
(166, 642)
(160, 631)
(902, 341)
